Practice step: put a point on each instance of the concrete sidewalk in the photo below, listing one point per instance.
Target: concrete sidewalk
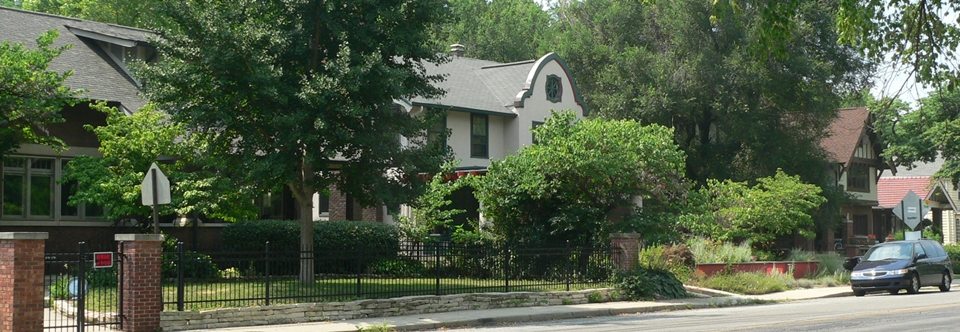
(534, 314)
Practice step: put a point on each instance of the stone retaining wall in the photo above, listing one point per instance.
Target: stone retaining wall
(324, 311)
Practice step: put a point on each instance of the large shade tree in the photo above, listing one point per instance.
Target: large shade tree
(738, 113)
(31, 96)
(499, 30)
(299, 93)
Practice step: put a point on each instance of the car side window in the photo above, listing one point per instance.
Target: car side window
(940, 251)
(929, 248)
(917, 250)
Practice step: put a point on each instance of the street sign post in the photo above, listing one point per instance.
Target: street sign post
(155, 190)
(911, 210)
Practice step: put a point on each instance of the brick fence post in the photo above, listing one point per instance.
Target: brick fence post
(629, 246)
(21, 281)
(142, 292)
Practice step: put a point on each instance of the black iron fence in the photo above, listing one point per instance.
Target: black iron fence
(79, 296)
(195, 281)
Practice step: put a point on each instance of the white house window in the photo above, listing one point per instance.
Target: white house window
(479, 136)
(30, 190)
(554, 88)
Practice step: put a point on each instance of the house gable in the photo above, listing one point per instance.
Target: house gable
(534, 78)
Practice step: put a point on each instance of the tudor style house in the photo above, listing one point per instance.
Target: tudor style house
(854, 152)
(490, 108)
(33, 198)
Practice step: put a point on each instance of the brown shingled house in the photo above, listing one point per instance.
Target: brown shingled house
(854, 152)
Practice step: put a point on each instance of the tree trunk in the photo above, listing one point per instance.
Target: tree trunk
(307, 275)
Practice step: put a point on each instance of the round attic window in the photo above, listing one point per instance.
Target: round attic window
(554, 88)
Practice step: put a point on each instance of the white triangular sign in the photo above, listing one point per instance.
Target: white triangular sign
(162, 183)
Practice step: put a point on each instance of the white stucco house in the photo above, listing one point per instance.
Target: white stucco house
(490, 108)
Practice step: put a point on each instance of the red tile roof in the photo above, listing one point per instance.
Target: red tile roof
(844, 133)
(890, 191)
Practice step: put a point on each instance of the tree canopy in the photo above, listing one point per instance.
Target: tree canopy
(567, 185)
(140, 13)
(738, 115)
(300, 93)
(31, 96)
(501, 30)
(129, 144)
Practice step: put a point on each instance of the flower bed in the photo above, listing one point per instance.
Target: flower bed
(800, 269)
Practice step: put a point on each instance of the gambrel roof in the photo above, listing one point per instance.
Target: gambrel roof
(482, 86)
(93, 70)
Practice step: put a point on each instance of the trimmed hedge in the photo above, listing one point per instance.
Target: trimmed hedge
(341, 246)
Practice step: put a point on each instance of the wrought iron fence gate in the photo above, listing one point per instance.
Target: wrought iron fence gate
(80, 297)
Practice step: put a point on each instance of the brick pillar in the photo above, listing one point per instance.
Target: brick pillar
(629, 245)
(338, 204)
(21, 281)
(142, 295)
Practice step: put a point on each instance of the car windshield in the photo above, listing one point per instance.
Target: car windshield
(889, 251)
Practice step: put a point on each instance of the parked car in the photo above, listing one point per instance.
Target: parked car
(896, 265)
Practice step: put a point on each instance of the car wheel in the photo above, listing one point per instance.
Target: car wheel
(893, 291)
(859, 293)
(945, 282)
(914, 286)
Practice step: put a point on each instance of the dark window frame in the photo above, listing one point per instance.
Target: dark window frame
(858, 177)
(479, 149)
(553, 88)
(436, 130)
(533, 135)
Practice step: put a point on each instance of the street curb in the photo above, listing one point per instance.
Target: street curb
(599, 312)
(571, 312)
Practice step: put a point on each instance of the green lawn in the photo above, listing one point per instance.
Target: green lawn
(241, 293)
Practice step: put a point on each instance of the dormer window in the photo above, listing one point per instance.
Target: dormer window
(554, 88)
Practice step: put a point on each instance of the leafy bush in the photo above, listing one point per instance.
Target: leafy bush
(341, 245)
(58, 289)
(196, 265)
(103, 277)
(402, 267)
(706, 251)
(643, 283)
(677, 259)
(953, 250)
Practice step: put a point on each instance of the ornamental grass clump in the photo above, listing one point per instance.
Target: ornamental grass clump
(707, 251)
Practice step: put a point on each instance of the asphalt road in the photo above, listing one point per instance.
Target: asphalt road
(929, 310)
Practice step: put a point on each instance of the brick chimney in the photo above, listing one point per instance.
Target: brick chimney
(457, 50)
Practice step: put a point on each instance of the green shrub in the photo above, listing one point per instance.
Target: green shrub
(103, 277)
(706, 251)
(402, 267)
(196, 265)
(642, 283)
(595, 297)
(342, 246)
(58, 288)
(677, 259)
(953, 250)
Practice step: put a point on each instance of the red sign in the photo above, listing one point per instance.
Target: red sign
(102, 260)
